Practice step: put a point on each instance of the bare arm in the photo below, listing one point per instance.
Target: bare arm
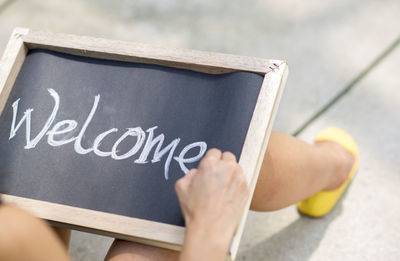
(212, 199)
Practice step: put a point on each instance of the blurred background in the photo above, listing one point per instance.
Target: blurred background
(340, 53)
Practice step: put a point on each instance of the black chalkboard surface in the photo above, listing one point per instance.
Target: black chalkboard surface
(115, 136)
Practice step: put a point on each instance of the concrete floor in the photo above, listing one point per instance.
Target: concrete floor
(327, 44)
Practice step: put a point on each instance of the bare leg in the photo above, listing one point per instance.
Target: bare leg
(64, 235)
(294, 170)
(129, 251)
(24, 237)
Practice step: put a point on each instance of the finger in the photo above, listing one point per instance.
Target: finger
(187, 179)
(242, 176)
(190, 175)
(214, 153)
(183, 183)
(228, 156)
(210, 160)
(224, 172)
(239, 170)
(238, 179)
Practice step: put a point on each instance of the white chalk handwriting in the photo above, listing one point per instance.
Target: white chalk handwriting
(66, 126)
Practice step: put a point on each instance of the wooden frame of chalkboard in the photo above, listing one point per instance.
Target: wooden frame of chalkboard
(144, 231)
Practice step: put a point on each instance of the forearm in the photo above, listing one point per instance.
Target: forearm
(212, 199)
(204, 244)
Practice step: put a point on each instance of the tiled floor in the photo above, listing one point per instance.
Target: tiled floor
(327, 44)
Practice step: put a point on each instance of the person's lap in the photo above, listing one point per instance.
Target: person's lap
(129, 251)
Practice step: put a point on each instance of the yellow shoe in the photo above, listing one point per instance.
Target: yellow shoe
(321, 203)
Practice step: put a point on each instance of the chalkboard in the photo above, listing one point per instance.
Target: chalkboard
(95, 132)
(141, 109)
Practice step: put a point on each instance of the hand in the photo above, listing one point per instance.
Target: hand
(212, 200)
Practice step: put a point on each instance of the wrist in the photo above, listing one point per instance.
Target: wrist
(205, 243)
(214, 235)
(218, 229)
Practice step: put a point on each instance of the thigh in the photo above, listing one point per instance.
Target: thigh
(128, 251)
(19, 230)
(63, 234)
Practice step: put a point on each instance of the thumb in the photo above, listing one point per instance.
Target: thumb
(183, 183)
